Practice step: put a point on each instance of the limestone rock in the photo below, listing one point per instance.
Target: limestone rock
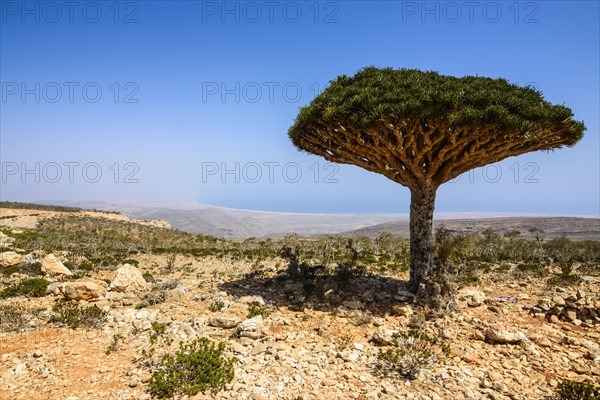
(253, 324)
(252, 300)
(353, 305)
(474, 298)
(128, 278)
(402, 310)
(84, 289)
(55, 288)
(6, 241)
(223, 321)
(51, 265)
(502, 336)
(8, 258)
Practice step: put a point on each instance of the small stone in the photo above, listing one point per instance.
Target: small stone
(494, 376)
(474, 298)
(238, 348)
(478, 335)
(254, 300)
(499, 335)
(358, 346)
(402, 310)
(495, 309)
(353, 305)
(133, 383)
(260, 348)
(252, 324)
(223, 321)
(447, 333)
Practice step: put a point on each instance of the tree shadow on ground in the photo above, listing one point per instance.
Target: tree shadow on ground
(324, 292)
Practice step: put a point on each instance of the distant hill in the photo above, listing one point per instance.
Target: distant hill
(210, 221)
(238, 224)
(574, 228)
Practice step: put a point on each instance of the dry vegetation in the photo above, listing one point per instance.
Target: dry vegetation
(329, 307)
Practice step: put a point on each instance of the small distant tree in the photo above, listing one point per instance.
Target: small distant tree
(421, 129)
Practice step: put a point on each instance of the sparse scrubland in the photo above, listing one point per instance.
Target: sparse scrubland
(148, 312)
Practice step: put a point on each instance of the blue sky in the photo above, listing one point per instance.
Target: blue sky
(164, 103)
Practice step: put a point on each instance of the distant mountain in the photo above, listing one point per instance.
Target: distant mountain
(210, 221)
(236, 223)
(231, 223)
(574, 228)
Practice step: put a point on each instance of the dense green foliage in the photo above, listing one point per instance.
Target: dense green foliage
(254, 310)
(422, 129)
(376, 95)
(68, 313)
(197, 366)
(107, 243)
(34, 287)
(571, 390)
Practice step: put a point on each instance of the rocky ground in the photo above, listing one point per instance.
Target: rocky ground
(508, 339)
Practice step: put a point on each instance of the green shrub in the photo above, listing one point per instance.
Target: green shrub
(116, 343)
(15, 317)
(411, 351)
(86, 266)
(34, 287)
(158, 329)
(131, 261)
(253, 311)
(535, 269)
(565, 280)
(68, 313)
(469, 277)
(590, 268)
(216, 305)
(571, 390)
(504, 267)
(8, 271)
(196, 367)
(32, 269)
(148, 277)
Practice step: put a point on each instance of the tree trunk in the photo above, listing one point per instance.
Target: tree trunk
(422, 203)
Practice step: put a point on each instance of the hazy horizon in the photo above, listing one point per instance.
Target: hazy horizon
(113, 206)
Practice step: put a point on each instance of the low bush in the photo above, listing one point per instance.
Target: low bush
(216, 305)
(148, 277)
(14, 318)
(34, 287)
(68, 313)
(571, 390)
(254, 310)
(197, 366)
(564, 280)
(116, 343)
(535, 269)
(8, 271)
(411, 351)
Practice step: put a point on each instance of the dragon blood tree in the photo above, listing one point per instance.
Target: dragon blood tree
(421, 129)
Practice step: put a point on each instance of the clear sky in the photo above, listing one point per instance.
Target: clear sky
(173, 102)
